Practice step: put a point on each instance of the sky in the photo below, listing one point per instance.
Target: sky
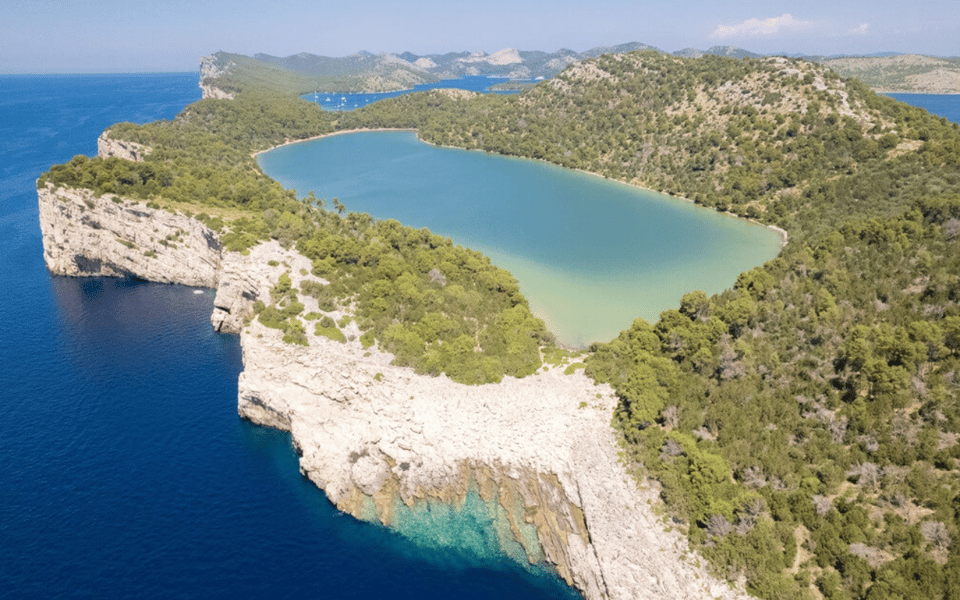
(102, 36)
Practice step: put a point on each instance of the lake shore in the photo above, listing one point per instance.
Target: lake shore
(784, 235)
(587, 291)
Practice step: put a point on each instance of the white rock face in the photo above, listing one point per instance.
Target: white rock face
(108, 147)
(209, 71)
(86, 236)
(369, 432)
(507, 56)
(368, 429)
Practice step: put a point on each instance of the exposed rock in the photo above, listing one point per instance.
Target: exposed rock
(210, 71)
(85, 235)
(370, 433)
(109, 147)
(237, 292)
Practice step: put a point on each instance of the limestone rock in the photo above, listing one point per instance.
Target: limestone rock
(210, 71)
(111, 147)
(368, 430)
(85, 235)
(369, 433)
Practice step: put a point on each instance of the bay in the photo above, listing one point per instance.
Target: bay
(590, 254)
(352, 100)
(942, 105)
(125, 471)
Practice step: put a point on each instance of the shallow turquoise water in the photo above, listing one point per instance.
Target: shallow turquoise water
(590, 254)
(124, 469)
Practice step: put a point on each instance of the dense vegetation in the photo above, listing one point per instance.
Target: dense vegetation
(305, 73)
(804, 424)
(436, 307)
(759, 138)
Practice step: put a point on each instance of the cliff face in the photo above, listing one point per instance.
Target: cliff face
(110, 147)
(380, 439)
(88, 236)
(541, 447)
(210, 71)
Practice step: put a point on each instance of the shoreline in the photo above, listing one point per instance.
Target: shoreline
(782, 233)
(326, 135)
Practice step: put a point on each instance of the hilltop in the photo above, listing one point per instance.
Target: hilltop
(907, 73)
(367, 72)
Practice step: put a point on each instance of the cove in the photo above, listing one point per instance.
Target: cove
(591, 254)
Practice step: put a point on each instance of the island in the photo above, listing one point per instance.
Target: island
(798, 432)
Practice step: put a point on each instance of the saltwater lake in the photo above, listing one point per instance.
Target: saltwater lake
(591, 255)
(124, 469)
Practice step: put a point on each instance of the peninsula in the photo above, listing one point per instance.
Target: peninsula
(800, 428)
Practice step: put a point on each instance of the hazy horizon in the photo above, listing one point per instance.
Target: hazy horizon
(51, 36)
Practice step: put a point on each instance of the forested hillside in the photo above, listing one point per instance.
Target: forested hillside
(804, 424)
(436, 307)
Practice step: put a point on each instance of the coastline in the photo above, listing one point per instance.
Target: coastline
(384, 442)
(326, 135)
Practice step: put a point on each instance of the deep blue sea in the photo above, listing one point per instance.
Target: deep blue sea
(942, 105)
(124, 469)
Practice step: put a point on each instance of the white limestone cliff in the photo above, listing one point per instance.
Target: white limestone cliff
(89, 236)
(210, 71)
(108, 147)
(371, 434)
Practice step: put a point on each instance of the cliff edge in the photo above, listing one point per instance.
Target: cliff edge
(379, 438)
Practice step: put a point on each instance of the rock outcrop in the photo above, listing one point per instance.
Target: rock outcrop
(108, 147)
(379, 438)
(210, 71)
(85, 235)
(541, 447)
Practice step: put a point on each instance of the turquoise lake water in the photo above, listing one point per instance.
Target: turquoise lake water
(590, 254)
(124, 469)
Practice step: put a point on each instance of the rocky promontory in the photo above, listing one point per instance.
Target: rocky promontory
(379, 438)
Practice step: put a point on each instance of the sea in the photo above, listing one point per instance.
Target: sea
(475, 83)
(125, 471)
(942, 105)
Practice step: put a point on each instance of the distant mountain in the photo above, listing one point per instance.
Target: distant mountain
(901, 73)
(731, 51)
(224, 74)
(385, 72)
(620, 49)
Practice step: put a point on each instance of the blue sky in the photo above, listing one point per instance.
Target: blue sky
(47, 36)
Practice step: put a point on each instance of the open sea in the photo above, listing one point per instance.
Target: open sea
(124, 469)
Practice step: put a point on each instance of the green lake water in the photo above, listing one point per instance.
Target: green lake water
(591, 255)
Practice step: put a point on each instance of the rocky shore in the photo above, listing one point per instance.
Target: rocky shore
(377, 437)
